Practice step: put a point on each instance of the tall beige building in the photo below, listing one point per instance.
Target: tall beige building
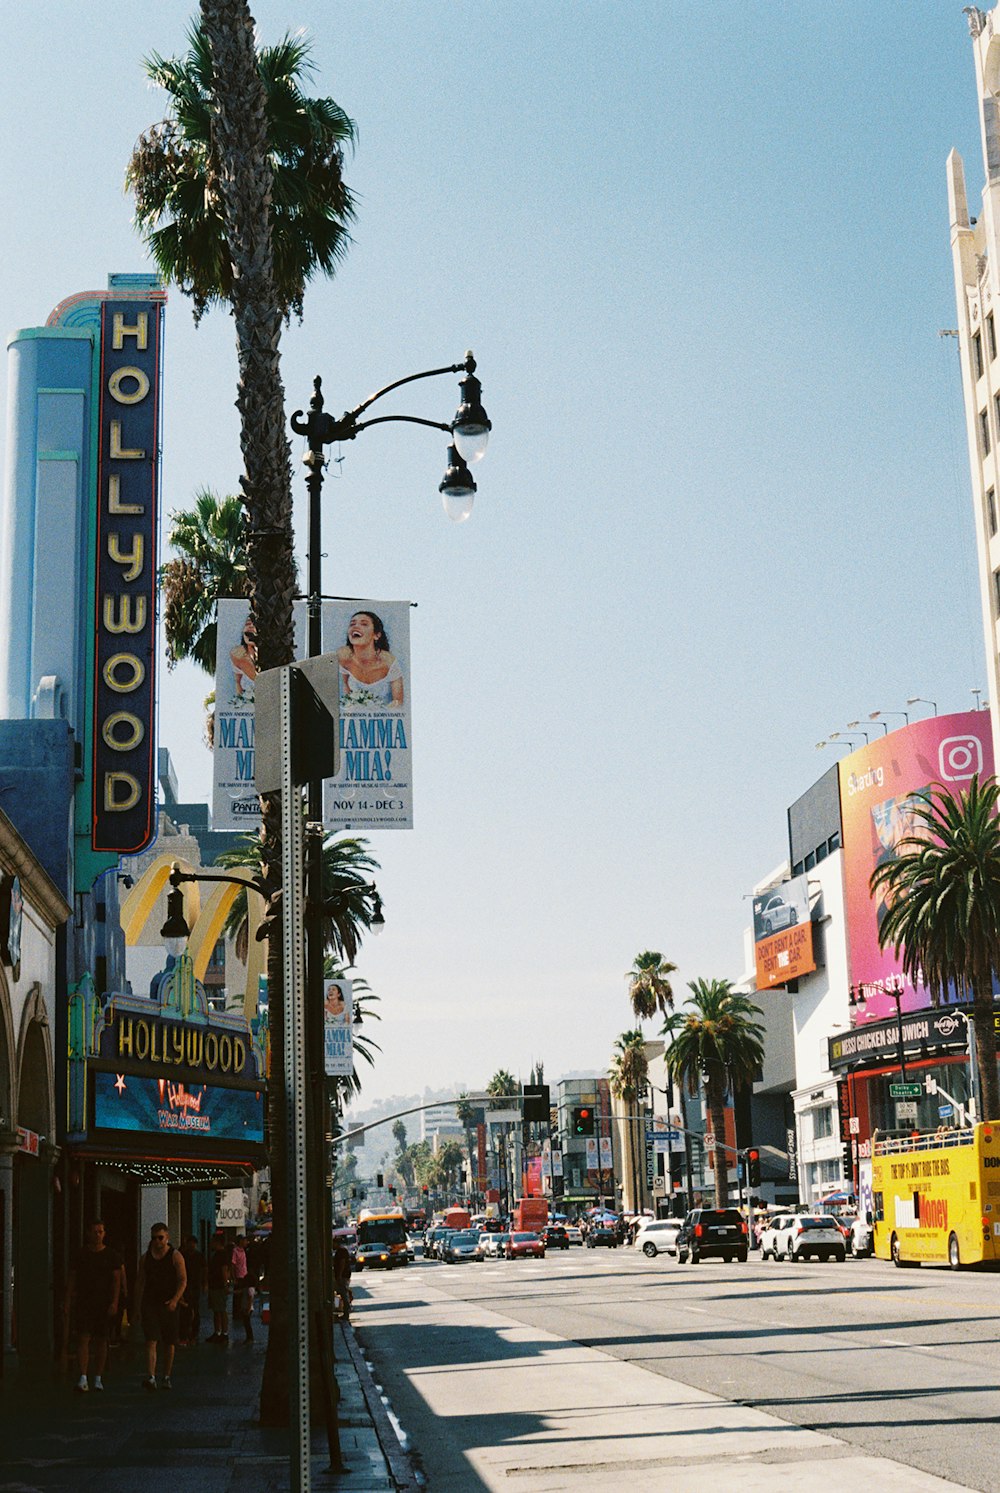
(975, 245)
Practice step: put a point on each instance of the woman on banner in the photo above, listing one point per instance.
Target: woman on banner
(370, 675)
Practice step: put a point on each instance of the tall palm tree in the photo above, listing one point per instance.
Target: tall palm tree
(175, 171)
(210, 561)
(649, 987)
(715, 1042)
(942, 907)
(504, 1085)
(629, 1075)
(466, 1114)
(219, 124)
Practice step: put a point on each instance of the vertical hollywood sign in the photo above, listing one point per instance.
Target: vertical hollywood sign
(125, 612)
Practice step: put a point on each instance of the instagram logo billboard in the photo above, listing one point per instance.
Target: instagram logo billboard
(960, 758)
(878, 793)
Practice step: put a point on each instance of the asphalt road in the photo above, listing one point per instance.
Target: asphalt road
(903, 1365)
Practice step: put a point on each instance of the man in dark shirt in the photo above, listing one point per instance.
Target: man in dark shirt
(95, 1283)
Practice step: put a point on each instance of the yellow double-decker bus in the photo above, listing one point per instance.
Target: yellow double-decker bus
(936, 1197)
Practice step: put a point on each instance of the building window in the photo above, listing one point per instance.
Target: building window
(991, 337)
(810, 860)
(996, 590)
(984, 431)
(822, 1123)
(977, 354)
(991, 510)
(821, 852)
(833, 843)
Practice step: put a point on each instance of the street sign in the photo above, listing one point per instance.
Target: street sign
(946, 1111)
(906, 1114)
(854, 1126)
(905, 1091)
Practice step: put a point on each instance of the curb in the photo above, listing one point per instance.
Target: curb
(399, 1463)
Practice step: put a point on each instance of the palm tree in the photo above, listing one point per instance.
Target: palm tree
(942, 907)
(466, 1115)
(629, 1075)
(219, 124)
(347, 866)
(211, 561)
(649, 987)
(504, 1085)
(176, 167)
(715, 1041)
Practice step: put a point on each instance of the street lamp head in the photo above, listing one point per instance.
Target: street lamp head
(457, 488)
(471, 426)
(378, 921)
(175, 931)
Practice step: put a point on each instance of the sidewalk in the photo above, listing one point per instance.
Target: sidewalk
(201, 1437)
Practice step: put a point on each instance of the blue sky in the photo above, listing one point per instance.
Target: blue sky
(702, 258)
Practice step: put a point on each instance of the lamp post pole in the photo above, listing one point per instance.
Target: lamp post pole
(470, 432)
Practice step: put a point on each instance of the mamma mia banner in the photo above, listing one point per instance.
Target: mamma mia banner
(371, 644)
(374, 787)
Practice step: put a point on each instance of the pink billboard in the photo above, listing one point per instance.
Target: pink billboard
(878, 785)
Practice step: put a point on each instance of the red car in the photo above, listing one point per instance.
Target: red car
(525, 1245)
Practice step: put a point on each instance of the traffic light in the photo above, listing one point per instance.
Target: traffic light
(583, 1121)
(392, 1191)
(425, 1190)
(753, 1168)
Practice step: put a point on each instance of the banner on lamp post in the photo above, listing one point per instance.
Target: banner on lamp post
(338, 1032)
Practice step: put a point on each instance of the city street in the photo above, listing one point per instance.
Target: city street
(594, 1363)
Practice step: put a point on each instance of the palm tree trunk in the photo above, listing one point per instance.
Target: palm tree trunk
(240, 140)
(986, 1049)
(716, 1096)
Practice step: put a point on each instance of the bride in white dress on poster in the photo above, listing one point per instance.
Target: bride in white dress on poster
(370, 674)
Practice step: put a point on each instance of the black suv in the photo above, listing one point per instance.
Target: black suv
(705, 1232)
(555, 1237)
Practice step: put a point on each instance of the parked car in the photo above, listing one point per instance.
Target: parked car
(713, 1232)
(815, 1234)
(555, 1237)
(602, 1233)
(658, 1236)
(573, 1234)
(462, 1245)
(373, 1257)
(525, 1246)
(494, 1246)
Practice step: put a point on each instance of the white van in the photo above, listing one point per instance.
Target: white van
(658, 1236)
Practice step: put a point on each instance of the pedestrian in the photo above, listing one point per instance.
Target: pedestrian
(190, 1311)
(342, 1279)
(219, 1274)
(242, 1287)
(95, 1286)
(159, 1287)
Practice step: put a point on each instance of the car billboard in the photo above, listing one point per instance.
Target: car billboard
(782, 933)
(879, 788)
